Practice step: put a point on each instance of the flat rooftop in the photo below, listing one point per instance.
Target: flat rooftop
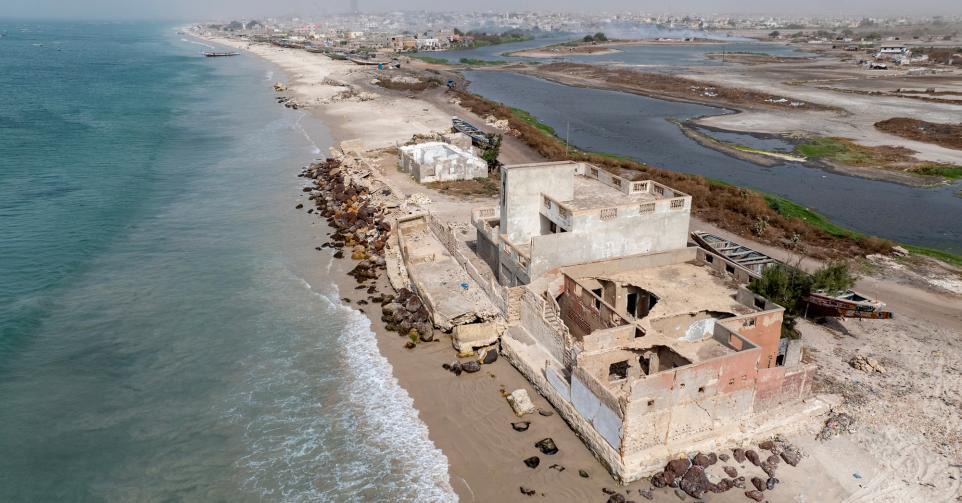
(687, 293)
(684, 288)
(592, 194)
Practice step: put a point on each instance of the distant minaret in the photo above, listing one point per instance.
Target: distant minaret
(354, 9)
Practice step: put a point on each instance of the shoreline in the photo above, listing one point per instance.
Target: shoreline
(466, 416)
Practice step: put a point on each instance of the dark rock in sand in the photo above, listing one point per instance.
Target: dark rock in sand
(730, 471)
(659, 480)
(678, 467)
(521, 425)
(755, 495)
(607, 490)
(410, 345)
(532, 462)
(758, 483)
(527, 492)
(545, 412)
(722, 486)
(616, 498)
(766, 445)
(583, 474)
(446, 366)
(724, 457)
(547, 446)
(470, 366)
(753, 457)
(701, 460)
(739, 455)
(770, 483)
(489, 356)
(791, 455)
(339, 254)
(299, 206)
(557, 467)
(695, 483)
(646, 493)
(456, 368)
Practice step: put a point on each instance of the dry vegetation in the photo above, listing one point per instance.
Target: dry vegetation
(739, 210)
(476, 187)
(670, 86)
(945, 135)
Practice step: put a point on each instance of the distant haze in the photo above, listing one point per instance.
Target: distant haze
(230, 9)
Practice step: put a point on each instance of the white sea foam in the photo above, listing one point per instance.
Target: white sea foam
(297, 125)
(307, 443)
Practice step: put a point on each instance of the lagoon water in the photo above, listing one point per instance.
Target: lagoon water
(167, 330)
(636, 126)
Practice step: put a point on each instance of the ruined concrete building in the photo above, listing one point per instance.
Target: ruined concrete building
(554, 214)
(655, 355)
(440, 162)
(648, 348)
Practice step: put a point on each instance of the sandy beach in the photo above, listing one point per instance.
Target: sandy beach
(470, 421)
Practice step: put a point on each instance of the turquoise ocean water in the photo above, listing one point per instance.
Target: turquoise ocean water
(167, 330)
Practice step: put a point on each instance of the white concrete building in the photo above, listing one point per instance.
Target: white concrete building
(556, 214)
(440, 162)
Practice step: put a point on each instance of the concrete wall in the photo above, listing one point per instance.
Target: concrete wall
(592, 240)
(522, 187)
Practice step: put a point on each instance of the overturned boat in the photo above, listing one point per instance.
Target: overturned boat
(752, 260)
(848, 304)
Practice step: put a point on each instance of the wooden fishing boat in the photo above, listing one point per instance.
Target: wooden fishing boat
(477, 136)
(220, 54)
(752, 260)
(369, 62)
(848, 304)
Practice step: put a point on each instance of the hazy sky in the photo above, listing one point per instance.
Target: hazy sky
(226, 9)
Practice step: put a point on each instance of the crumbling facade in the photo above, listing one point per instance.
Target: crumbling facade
(555, 214)
(659, 354)
(440, 162)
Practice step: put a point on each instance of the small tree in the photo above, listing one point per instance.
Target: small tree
(833, 278)
(491, 152)
(588, 39)
(774, 34)
(600, 37)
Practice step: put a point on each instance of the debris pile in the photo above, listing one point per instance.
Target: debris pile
(866, 364)
(499, 124)
(837, 422)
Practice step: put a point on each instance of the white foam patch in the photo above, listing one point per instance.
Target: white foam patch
(287, 416)
(297, 125)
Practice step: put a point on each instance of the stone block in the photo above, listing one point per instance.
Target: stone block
(465, 338)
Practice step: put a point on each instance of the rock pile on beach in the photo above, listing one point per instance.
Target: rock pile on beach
(689, 475)
(356, 213)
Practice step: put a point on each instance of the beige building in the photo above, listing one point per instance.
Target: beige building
(555, 214)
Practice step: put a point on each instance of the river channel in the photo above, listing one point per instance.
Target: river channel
(636, 126)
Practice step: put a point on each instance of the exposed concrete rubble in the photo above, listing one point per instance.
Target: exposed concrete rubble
(466, 338)
(520, 402)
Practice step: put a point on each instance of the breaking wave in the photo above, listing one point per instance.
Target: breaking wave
(325, 419)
